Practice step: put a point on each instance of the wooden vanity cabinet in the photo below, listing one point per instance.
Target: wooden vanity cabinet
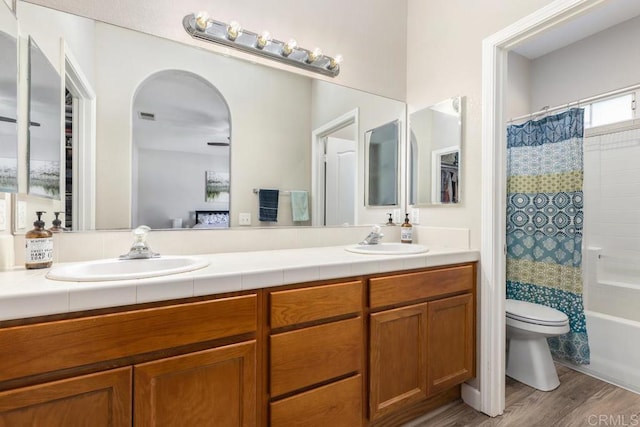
(316, 356)
(375, 350)
(421, 341)
(185, 364)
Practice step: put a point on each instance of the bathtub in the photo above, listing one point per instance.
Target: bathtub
(612, 301)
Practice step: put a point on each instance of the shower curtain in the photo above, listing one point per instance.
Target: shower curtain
(544, 222)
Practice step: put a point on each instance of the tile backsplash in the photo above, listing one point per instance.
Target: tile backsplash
(86, 246)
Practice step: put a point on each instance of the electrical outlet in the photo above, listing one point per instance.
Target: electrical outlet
(397, 218)
(415, 216)
(3, 215)
(21, 215)
(244, 218)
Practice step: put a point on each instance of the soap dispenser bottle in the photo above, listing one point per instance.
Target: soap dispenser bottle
(38, 245)
(57, 224)
(406, 230)
(390, 221)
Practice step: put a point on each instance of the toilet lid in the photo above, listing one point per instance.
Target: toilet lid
(534, 313)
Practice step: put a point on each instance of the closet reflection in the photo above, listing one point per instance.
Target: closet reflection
(435, 153)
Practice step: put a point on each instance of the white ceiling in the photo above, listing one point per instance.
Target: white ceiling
(611, 13)
(188, 111)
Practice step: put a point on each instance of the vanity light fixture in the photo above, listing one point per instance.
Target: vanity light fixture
(202, 27)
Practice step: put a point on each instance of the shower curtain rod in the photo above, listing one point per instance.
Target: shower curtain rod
(546, 110)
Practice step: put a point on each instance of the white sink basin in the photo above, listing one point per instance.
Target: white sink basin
(388, 249)
(116, 269)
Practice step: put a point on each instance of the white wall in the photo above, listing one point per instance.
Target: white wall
(444, 59)
(518, 102)
(603, 62)
(370, 34)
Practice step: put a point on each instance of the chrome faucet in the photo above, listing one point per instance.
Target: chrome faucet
(374, 236)
(140, 249)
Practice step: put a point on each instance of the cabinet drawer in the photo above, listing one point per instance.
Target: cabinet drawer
(404, 288)
(336, 405)
(308, 304)
(312, 355)
(45, 347)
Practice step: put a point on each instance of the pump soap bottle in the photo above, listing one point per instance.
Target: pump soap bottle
(57, 224)
(38, 245)
(406, 230)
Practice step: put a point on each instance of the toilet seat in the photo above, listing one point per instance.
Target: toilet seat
(535, 314)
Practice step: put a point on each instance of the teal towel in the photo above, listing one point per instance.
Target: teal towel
(300, 205)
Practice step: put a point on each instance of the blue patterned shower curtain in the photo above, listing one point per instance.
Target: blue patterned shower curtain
(544, 222)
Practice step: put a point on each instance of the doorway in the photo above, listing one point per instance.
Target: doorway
(492, 298)
(334, 171)
(80, 143)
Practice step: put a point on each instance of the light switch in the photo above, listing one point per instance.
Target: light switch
(397, 219)
(21, 215)
(415, 216)
(244, 219)
(3, 215)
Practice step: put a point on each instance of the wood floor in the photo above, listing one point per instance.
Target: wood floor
(579, 401)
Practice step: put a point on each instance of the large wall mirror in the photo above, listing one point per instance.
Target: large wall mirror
(435, 153)
(8, 101)
(45, 125)
(272, 115)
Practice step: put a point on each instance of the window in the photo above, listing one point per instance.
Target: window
(610, 110)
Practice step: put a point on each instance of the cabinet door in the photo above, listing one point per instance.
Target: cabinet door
(214, 387)
(451, 342)
(398, 371)
(102, 399)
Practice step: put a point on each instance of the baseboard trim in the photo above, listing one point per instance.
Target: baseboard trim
(471, 396)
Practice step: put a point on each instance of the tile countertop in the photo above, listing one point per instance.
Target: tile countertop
(28, 293)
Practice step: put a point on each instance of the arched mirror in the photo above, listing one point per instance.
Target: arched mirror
(180, 152)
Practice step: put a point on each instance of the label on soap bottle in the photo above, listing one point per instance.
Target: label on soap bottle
(406, 234)
(38, 250)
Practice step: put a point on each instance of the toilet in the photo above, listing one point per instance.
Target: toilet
(528, 356)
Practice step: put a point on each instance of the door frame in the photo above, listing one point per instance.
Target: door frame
(318, 159)
(84, 142)
(495, 48)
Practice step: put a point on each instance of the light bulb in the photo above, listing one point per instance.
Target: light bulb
(288, 48)
(202, 21)
(263, 40)
(335, 62)
(233, 30)
(314, 55)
